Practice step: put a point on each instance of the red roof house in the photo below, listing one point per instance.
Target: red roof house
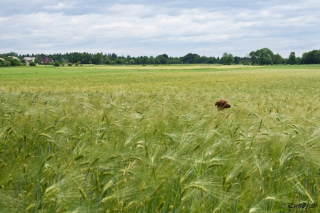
(46, 60)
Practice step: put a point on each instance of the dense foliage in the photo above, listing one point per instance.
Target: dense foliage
(113, 59)
(312, 57)
(262, 56)
(227, 59)
(33, 64)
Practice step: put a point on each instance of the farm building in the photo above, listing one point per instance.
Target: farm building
(46, 60)
(29, 59)
(14, 57)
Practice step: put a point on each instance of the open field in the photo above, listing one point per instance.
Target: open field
(149, 139)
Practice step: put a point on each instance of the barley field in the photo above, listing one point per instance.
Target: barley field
(149, 139)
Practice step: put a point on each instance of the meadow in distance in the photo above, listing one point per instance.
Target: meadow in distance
(149, 138)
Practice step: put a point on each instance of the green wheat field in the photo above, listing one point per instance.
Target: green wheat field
(149, 139)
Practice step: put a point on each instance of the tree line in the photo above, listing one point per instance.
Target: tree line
(262, 56)
(265, 56)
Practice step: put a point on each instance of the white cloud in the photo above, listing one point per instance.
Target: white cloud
(59, 6)
(150, 29)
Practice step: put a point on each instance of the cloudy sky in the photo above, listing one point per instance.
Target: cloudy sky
(150, 27)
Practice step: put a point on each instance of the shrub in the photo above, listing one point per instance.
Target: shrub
(13, 62)
(4, 63)
(56, 64)
(69, 64)
(33, 64)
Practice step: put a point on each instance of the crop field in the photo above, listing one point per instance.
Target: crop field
(149, 139)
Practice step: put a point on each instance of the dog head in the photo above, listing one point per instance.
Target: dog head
(222, 104)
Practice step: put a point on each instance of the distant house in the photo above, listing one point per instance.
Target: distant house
(14, 57)
(29, 59)
(46, 60)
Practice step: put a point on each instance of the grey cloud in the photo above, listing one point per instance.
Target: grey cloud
(143, 27)
(80, 7)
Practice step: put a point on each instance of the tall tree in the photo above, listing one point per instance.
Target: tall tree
(114, 56)
(119, 61)
(131, 61)
(254, 58)
(313, 57)
(144, 60)
(263, 56)
(107, 60)
(227, 59)
(151, 60)
(277, 59)
(162, 59)
(292, 58)
(97, 58)
(191, 58)
(237, 60)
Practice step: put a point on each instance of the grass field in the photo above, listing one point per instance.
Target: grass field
(149, 139)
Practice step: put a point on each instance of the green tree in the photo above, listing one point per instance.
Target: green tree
(162, 59)
(151, 60)
(191, 58)
(263, 56)
(230, 59)
(253, 57)
(227, 59)
(37, 61)
(211, 60)
(13, 54)
(303, 59)
(292, 58)
(4, 63)
(132, 61)
(97, 58)
(119, 61)
(144, 60)
(114, 56)
(64, 61)
(13, 62)
(298, 60)
(237, 60)
(277, 59)
(107, 60)
(313, 57)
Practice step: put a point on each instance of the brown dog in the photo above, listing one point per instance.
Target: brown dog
(222, 104)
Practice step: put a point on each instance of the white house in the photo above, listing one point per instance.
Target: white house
(14, 57)
(29, 59)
